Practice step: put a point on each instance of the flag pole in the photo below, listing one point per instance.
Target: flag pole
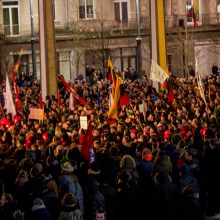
(136, 117)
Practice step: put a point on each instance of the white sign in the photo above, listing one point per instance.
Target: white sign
(83, 122)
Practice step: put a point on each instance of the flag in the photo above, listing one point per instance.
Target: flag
(192, 14)
(110, 70)
(17, 64)
(113, 112)
(87, 143)
(199, 82)
(124, 98)
(157, 73)
(10, 106)
(71, 90)
(72, 102)
(16, 92)
(169, 87)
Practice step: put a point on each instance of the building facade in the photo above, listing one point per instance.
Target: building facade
(87, 30)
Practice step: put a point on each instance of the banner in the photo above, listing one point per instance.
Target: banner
(157, 73)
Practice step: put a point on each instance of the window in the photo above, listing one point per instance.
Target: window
(121, 10)
(11, 17)
(86, 8)
(218, 6)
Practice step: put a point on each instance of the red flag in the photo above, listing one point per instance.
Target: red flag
(70, 89)
(124, 100)
(171, 98)
(165, 84)
(192, 14)
(87, 144)
(111, 121)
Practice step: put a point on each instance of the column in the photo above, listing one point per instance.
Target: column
(48, 65)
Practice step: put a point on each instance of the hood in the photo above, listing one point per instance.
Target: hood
(127, 162)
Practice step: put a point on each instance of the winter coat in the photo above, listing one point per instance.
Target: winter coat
(94, 200)
(166, 198)
(67, 185)
(40, 212)
(70, 213)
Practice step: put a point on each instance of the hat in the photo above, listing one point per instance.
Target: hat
(67, 167)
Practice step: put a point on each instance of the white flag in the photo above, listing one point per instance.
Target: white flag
(110, 98)
(157, 73)
(9, 105)
(71, 102)
(199, 82)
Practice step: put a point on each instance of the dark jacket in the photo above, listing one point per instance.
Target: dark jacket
(166, 198)
(94, 200)
(40, 212)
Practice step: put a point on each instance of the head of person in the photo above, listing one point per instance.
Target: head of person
(100, 214)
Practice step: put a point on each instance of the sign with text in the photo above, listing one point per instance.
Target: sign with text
(83, 122)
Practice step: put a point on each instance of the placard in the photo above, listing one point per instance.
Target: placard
(83, 122)
(36, 113)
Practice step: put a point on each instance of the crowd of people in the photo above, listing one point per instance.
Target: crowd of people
(160, 163)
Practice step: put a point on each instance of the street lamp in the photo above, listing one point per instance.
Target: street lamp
(138, 40)
(33, 41)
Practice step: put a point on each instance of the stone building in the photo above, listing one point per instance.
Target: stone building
(86, 30)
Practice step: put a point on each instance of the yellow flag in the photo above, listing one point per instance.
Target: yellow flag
(113, 112)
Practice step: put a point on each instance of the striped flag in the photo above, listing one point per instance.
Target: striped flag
(110, 70)
(113, 112)
(17, 64)
(192, 13)
(10, 106)
(199, 82)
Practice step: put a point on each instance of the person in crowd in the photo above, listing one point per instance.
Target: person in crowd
(70, 208)
(100, 214)
(174, 140)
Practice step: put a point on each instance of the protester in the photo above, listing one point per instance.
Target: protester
(118, 165)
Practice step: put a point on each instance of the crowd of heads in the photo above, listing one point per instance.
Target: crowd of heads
(167, 143)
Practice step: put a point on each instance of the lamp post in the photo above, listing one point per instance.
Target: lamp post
(33, 41)
(138, 40)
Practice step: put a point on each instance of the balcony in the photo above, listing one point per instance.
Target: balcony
(113, 28)
(203, 20)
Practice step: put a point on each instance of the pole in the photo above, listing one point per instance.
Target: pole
(33, 41)
(138, 40)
